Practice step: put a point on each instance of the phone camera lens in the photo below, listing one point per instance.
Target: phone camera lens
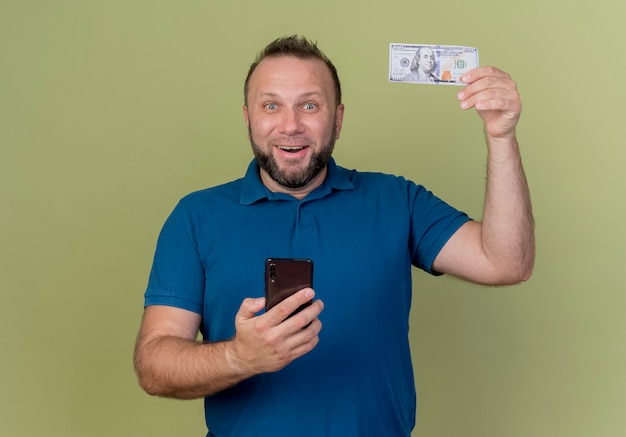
(272, 271)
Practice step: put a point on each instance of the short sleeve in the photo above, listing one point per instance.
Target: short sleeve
(177, 276)
(433, 222)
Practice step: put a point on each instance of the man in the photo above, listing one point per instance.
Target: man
(262, 374)
(422, 66)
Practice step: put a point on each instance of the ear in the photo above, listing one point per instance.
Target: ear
(339, 119)
(247, 119)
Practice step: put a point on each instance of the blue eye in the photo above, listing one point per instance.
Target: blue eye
(271, 106)
(309, 106)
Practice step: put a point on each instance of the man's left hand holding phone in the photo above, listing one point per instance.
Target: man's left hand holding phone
(287, 330)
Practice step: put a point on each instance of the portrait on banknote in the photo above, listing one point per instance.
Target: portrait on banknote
(430, 64)
(423, 66)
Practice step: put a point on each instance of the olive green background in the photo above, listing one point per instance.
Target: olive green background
(110, 111)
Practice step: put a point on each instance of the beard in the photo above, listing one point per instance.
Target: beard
(294, 178)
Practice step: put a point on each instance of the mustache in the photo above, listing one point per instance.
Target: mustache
(286, 140)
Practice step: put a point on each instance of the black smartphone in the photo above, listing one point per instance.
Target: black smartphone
(284, 277)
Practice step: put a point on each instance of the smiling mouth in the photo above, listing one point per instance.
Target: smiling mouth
(291, 149)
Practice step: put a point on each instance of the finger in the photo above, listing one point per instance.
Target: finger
(249, 308)
(503, 95)
(498, 104)
(481, 72)
(490, 83)
(304, 339)
(305, 317)
(284, 309)
(308, 339)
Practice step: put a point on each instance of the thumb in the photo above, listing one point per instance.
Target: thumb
(249, 307)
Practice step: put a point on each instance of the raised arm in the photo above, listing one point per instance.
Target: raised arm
(500, 250)
(171, 363)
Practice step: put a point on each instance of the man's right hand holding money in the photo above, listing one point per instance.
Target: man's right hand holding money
(494, 95)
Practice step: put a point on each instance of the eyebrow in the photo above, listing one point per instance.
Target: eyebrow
(305, 95)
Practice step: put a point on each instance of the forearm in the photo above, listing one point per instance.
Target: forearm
(184, 369)
(508, 225)
(170, 362)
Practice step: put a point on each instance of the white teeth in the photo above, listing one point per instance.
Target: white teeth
(291, 149)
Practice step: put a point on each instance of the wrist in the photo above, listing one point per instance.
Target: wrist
(233, 361)
(501, 141)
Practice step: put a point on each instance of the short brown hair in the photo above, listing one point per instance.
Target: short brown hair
(300, 47)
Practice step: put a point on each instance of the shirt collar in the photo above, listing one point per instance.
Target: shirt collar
(253, 190)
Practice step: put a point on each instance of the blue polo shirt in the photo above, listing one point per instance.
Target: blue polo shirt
(363, 232)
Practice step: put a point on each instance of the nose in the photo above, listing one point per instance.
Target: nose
(290, 122)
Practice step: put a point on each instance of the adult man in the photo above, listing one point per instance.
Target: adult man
(263, 375)
(422, 66)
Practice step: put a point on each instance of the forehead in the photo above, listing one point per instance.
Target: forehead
(282, 74)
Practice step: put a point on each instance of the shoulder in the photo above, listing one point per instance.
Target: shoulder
(198, 206)
(220, 193)
(390, 192)
(388, 188)
(377, 179)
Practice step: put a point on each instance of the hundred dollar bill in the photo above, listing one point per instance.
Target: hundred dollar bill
(431, 64)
